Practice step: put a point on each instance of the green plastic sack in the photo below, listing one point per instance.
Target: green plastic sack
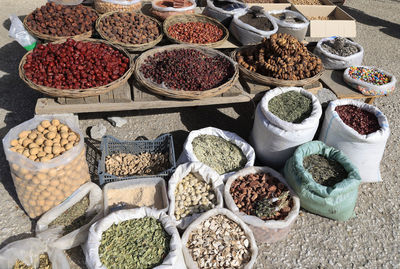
(336, 202)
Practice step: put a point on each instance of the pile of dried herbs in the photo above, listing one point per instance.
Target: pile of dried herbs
(218, 153)
(324, 171)
(74, 217)
(135, 244)
(291, 106)
(44, 263)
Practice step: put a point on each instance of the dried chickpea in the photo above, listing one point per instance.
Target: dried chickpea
(32, 136)
(55, 122)
(40, 128)
(45, 123)
(26, 153)
(64, 128)
(69, 146)
(20, 150)
(50, 135)
(13, 149)
(48, 143)
(45, 131)
(44, 159)
(63, 142)
(48, 149)
(26, 142)
(33, 145)
(52, 128)
(64, 135)
(23, 134)
(50, 156)
(14, 142)
(72, 137)
(39, 141)
(41, 154)
(34, 151)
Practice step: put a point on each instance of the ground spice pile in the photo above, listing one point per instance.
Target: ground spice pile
(364, 122)
(291, 106)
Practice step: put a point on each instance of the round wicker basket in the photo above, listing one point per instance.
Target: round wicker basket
(181, 94)
(264, 80)
(194, 18)
(127, 46)
(47, 37)
(78, 93)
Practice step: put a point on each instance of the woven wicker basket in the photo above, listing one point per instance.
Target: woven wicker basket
(181, 94)
(78, 93)
(47, 37)
(264, 80)
(194, 18)
(127, 46)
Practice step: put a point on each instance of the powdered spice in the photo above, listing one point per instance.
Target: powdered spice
(257, 21)
(291, 106)
(364, 122)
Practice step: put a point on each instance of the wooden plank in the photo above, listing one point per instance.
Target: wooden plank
(235, 90)
(92, 99)
(141, 94)
(122, 94)
(74, 101)
(333, 79)
(61, 100)
(255, 88)
(106, 98)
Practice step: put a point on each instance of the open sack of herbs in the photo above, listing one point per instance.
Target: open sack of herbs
(194, 188)
(133, 238)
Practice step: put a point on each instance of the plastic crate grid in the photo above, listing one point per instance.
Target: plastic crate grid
(111, 145)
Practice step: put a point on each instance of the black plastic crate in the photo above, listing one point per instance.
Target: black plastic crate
(111, 145)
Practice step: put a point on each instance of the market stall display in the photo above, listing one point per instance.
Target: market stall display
(360, 131)
(67, 2)
(195, 29)
(54, 22)
(97, 67)
(290, 22)
(104, 6)
(280, 61)
(133, 31)
(162, 9)
(223, 11)
(186, 71)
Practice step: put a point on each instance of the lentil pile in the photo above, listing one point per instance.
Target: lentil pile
(196, 32)
(145, 163)
(59, 20)
(129, 28)
(187, 69)
(193, 195)
(257, 20)
(219, 243)
(291, 106)
(281, 56)
(47, 141)
(218, 153)
(340, 46)
(75, 65)
(261, 195)
(369, 75)
(364, 122)
(324, 171)
(136, 244)
(44, 263)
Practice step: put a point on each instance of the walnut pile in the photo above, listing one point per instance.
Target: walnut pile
(219, 243)
(282, 57)
(145, 163)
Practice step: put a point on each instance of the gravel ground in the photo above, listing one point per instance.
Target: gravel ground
(370, 240)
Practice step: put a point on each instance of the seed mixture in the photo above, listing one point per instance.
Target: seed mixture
(44, 263)
(364, 122)
(340, 46)
(221, 155)
(193, 195)
(324, 171)
(291, 106)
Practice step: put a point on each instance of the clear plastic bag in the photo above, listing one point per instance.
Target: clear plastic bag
(42, 186)
(207, 174)
(298, 30)
(221, 15)
(78, 236)
(18, 32)
(267, 231)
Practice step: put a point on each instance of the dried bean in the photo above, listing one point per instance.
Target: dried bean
(196, 32)
(364, 122)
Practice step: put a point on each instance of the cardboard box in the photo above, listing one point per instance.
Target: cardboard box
(324, 2)
(342, 25)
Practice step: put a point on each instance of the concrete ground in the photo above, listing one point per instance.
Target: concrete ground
(370, 240)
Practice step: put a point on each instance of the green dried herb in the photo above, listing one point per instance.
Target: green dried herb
(74, 217)
(136, 243)
(44, 263)
(324, 171)
(221, 155)
(291, 106)
(268, 208)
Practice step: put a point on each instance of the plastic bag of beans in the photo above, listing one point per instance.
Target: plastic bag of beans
(222, 15)
(206, 174)
(173, 260)
(42, 185)
(335, 202)
(274, 139)
(29, 250)
(336, 62)
(93, 213)
(270, 230)
(104, 6)
(164, 8)
(365, 151)
(189, 156)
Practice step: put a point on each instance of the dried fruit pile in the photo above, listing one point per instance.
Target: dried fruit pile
(261, 195)
(75, 65)
(196, 32)
(59, 20)
(129, 28)
(282, 57)
(364, 122)
(187, 69)
(219, 242)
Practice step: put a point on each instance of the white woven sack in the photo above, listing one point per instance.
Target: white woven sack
(173, 9)
(270, 230)
(275, 140)
(188, 155)
(91, 248)
(364, 151)
(78, 236)
(336, 62)
(191, 264)
(209, 175)
(210, 4)
(283, 23)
